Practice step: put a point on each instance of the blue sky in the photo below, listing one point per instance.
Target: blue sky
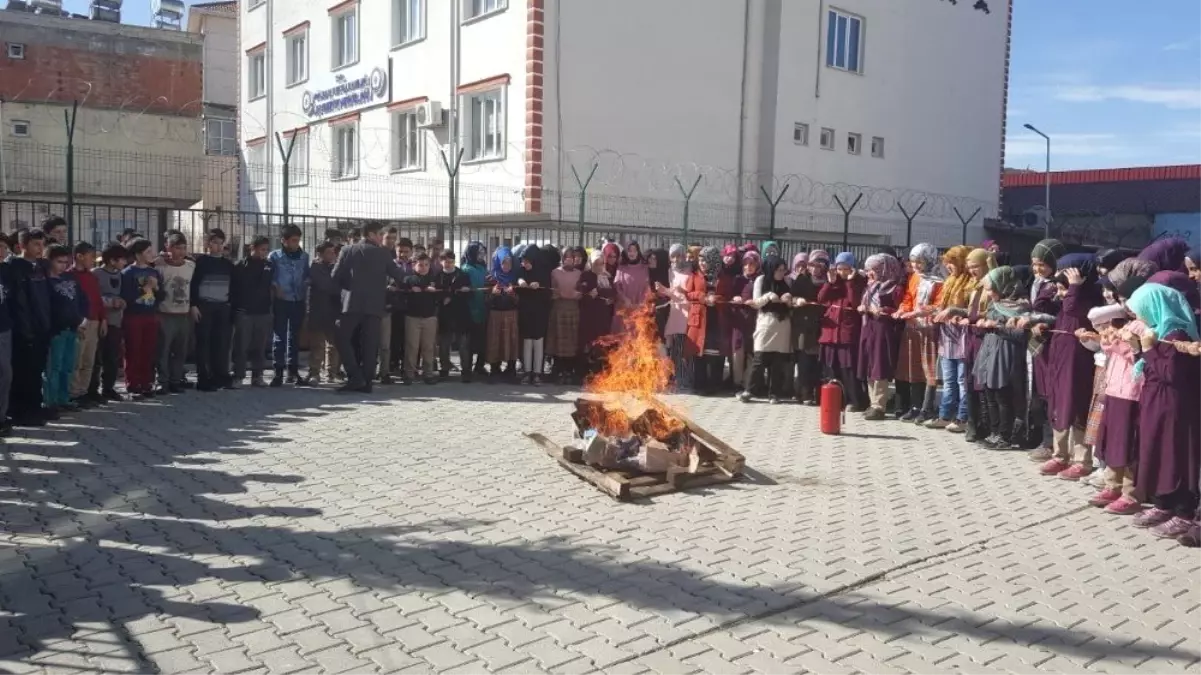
(1113, 82)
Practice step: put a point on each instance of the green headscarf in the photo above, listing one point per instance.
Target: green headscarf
(1005, 281)
(1164, 310)
(767, 245)
(1048, 251)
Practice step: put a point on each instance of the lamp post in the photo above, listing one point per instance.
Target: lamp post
(1047, 177)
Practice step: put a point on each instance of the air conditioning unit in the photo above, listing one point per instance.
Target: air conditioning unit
(429, 114)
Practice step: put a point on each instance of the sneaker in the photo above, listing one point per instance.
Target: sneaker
(1095, 479)
(910, 416)
(937, 423)
(957, 427)
(1152, 517)
(873, 414)
(1172, 528)
(744, 396)
(1053, 467)
(257, 382)
(1124, 506)
(6, 429)
(314, 380)
(1192, 538)
(1075, 472)
(277, 381)
(1041, 455)
(112, 395)
(385, 379)
(1105, 497)
(292, 378)
(773, 400)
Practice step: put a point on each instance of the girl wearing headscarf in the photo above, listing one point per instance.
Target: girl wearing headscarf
(658, 265)
(1070, 369)
(1169, 444)
(533, 311)
(708, 322)
(611, 254)
(917, 364)
(979, 263)
(475, 265)
(596, 311)
(1192, 263)
(1044, 299)
(1185, 285)
(1167, 254)
(1109, 259)
(1131, 267)
(772, 296)
(841, 324)
(1000, 366)
(684, 281)
(742, 316)
(731, 267)
(503, 336)
(771, 248)
(952, 410)
(806, 328)
(564, 330)
(631, 282)
(881, 335)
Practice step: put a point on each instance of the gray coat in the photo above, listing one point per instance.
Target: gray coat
(362, 273)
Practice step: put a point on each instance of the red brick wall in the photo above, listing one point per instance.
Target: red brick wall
(535, 32)
(152, 84)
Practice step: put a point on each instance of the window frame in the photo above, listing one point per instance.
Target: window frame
(335, 130)
(821, 139)
(400, 9)
(403, 116)
(801, 129)
(337, 48)
(232, 138)
(302, 36)
(878, 152)
(854, 139)
(299, 176)
(256, 174)
(12, 129)
(255, 4)
(470, 14)
(844, 34)
(16, 47)
(256, 61)
(467, 133)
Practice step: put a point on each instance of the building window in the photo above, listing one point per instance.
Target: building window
(257, 3)
(407, 147)
(16, 51)
(298, 57)
(854, 144)
(485, 125)
(256, 76)
(827, 138)
(478, 8)
(844, 41)
(20, 128)
(298, 162)
(345, 150)
(408, 21)
(220, 137)
(345, 39)
(800, 133)
(256, 165)
(877, 146)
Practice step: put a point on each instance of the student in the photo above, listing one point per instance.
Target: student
(503, 333)
(841, 324)
(980, 262)
(454, 286)
(177, 317)
(952, 410)
(475, 265)
(251, 298)
(881, 335)
(1045, 300)
(533, 311)
(1116, 442)
(683, 280)
(1000, 366)
(773, 331)
(108, 279)
(212, 279)
(55, 229)
(806, 331)
(6, 335)
(658, 266)
(632, 281)
(68, 318)
(93, 327)
(712, 332)
(325, 302)
(142, 289)
(392, 327)
(290, 267)
(596, 313)
(6, 247)
(421, 322)
(743, 315)
(917, 365)
(30, 306)
(564, 333)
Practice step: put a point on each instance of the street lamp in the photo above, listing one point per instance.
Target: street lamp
(1047, 177)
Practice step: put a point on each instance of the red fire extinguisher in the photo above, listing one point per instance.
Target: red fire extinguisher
(830, 412)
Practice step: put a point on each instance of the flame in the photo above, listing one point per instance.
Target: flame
(635, 372)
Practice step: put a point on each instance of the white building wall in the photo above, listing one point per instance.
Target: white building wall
(221, 59)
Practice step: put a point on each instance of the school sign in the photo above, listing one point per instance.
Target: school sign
(345, 95)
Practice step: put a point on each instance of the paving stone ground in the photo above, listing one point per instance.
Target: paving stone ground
(277, 531)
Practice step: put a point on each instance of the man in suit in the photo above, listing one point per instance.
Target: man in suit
(362, 272)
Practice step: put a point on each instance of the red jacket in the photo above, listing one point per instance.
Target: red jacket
(90, 286)
(841, 322)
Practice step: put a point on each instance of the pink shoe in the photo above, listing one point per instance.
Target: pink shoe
(1104, 497)
(1053, 467)
(1152, 517)
(1124, 506)
(1172, 528)
(1075, 472)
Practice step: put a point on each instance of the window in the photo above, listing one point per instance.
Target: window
(827, 138)
(800, 133)
(298, 163)
(21, 128)
(220, 137)
(877, 146)
(844, 41)
(256, 77)
(408, 21)
(486, 125)
(407, 152)
(854, 144)
(345, 40)
(257, 3)
(256, 165)
(478, 8)
(298, 57)
(346, 150)
(16, 50)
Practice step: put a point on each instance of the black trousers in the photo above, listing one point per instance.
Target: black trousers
(1000, 411)
(29, 363)
(214, 332)
(108, 361)
(477, 333)
(358, 363)
(707, 374)
(396, 341)
(807, 376)
(768, 371)
(978, 421)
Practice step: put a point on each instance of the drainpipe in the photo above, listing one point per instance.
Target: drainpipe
(269, 70)
(746, 55)
(3, 169)
(817, 62)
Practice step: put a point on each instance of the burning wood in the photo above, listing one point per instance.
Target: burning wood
(632, 435)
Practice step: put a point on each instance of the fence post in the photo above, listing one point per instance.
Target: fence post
(687, 201)
(909, 222)
(452, 174)
(286, 156)
(583, 184)
(966, 221)
(846, 219)
(69, 122)
(773, 203)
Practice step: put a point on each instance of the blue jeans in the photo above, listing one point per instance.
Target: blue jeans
(60, 367)
(288, 316)
(954, 390)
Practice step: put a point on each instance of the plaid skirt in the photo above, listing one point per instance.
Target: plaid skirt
(917, 360)
(1096, 408)
(503, 344)
(563, 334)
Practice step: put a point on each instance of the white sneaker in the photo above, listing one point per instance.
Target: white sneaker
(937, 423)
(955, 428)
